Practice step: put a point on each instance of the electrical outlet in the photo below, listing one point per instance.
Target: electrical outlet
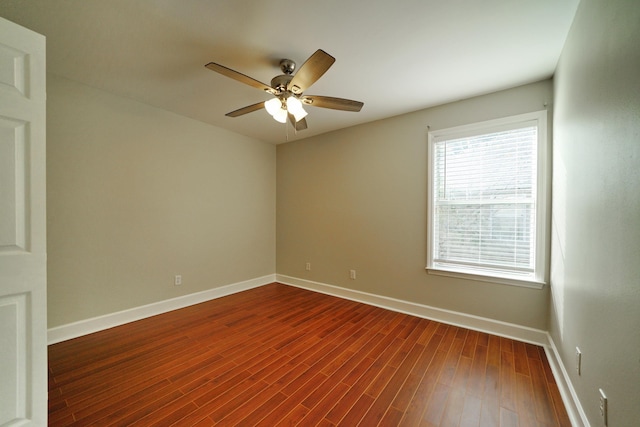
(308, 266)
(578, 361)
(352, 274)
(177, 280)
(603, 407)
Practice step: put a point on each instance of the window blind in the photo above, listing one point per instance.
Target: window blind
(484, 195)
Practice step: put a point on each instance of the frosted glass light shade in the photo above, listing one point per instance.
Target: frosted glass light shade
(272, 106)
(295, 107)
(281, 115)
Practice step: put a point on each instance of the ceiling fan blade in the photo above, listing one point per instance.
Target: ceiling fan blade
(300, 124)
(246, 110)
(333, 103)
(239, 77)
(311, 71)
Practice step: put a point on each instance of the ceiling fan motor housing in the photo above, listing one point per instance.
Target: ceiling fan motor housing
(281, 82)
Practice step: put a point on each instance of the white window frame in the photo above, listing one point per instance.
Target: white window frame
(538, 278)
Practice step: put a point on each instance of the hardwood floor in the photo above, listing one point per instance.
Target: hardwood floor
(282, 356)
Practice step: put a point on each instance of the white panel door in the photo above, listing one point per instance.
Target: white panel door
(23, 259)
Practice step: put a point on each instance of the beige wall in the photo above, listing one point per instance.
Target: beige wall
(136, 195)
(596, 208)
(357, 199)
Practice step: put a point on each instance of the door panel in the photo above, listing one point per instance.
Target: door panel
(12, 69)
(13, 167)
(23, 262)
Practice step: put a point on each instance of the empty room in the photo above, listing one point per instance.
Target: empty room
(278, 213)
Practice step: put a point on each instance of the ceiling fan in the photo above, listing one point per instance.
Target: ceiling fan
(288, 90)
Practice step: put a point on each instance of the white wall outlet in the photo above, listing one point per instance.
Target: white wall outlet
(177, 280)
(308, 266)
(578, 361)
(603, 407)
(352, 274)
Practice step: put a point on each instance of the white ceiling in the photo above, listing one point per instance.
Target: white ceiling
(395, 56)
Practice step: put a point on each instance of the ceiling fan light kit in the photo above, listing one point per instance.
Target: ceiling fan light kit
(278, 111)
(280, 108)
(288, 89)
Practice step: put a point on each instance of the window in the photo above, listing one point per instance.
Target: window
(487, 200)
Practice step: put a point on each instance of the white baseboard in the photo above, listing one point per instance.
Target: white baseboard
(95, 324)
(569, 396)
(482, 324)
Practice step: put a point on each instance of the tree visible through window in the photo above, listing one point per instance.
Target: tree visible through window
(487, 199)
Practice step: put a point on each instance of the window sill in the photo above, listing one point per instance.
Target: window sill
(524, 283)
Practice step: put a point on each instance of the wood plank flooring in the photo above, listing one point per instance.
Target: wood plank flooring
(283, 356)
